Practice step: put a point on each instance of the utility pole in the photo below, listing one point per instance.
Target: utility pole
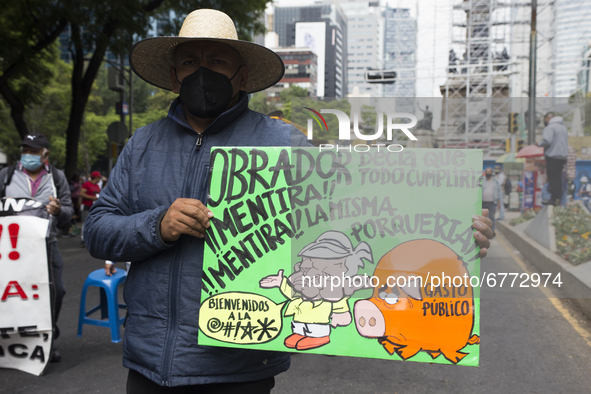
(531, 136)
(130, 102)
(117, 131)
(122, 76)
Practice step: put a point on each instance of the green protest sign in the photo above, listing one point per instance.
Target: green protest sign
(366, 254)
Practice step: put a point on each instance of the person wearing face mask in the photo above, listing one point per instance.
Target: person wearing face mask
(491, 195)
(152, 210)
(33, 178)
(555, 145)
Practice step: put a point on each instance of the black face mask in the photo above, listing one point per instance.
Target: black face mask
(488, 176)
(206, 93)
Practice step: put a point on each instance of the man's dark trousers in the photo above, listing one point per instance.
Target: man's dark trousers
(554, 169)
(492, 210)
(57, 266)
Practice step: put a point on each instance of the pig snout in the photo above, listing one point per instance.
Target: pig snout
(369, 320)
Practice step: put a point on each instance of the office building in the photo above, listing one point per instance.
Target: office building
(364, 44)
(323, 29)
(573, 32)
(400, 43)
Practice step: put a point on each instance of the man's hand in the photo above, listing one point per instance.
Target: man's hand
(272, 280)
(110, 269)
(54, 207)
(185, 216)
(482, 225)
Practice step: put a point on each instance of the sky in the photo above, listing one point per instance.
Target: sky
(433, 39)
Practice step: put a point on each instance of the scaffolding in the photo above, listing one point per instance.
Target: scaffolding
(477, 92)
(487, 75)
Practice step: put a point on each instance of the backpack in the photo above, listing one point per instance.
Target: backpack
(9, 174)
(508, 186)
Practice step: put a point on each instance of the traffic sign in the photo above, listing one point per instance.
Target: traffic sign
(119, 108)
(117, 132)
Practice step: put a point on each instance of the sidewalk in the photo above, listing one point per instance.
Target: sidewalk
(576, 278)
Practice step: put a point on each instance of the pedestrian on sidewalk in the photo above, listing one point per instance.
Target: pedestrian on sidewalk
(501, 180)
(33, 178)
(491, 195)
(555, 145)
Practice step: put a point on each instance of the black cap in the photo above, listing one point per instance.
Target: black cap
(36, 141)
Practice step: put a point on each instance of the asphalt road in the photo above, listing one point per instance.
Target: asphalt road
(529, 344)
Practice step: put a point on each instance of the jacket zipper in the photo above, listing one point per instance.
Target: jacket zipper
(176, 265)
(199, 140)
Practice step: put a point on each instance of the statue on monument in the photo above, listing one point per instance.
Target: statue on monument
(427, 120)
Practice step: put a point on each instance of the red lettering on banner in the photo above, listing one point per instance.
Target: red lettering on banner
(13, 231)
(18, 291)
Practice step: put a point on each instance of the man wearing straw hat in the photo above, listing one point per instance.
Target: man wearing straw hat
(152, 213)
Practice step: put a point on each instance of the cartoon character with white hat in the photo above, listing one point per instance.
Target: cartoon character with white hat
(319, 288)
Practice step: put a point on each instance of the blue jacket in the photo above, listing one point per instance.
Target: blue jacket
(160, 163)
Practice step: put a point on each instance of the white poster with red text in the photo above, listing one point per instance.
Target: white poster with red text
(25, 301)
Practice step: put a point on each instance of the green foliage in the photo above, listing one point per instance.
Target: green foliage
(29, 81)
(9, 137)
(573, 233)
(142, 91)
(157, 106)
(24, 24)
(161, 100)
(108, 98)
(258, 102)
(27, 29)
(94, 139)
(47, 114)
(525, 216)
(143, 119)
(49, 117)
(293, 91)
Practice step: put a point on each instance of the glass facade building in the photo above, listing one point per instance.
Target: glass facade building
(573, 32)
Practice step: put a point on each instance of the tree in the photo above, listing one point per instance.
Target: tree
(157, 108)
(293, 91)
(258, 102)
(27, 31)
(95, 27)
(45, 111)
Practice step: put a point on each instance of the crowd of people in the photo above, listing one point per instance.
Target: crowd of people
(84, 191)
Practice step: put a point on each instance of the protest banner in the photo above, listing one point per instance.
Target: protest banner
(366, 254)
(25, 300)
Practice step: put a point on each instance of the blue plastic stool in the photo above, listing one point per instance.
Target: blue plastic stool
(109, 304)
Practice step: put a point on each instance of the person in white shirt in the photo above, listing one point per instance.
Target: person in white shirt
(501, 178)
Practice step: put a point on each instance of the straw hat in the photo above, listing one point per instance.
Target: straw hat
(152, 58)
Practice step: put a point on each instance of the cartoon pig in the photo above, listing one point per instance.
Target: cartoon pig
(407, 314)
